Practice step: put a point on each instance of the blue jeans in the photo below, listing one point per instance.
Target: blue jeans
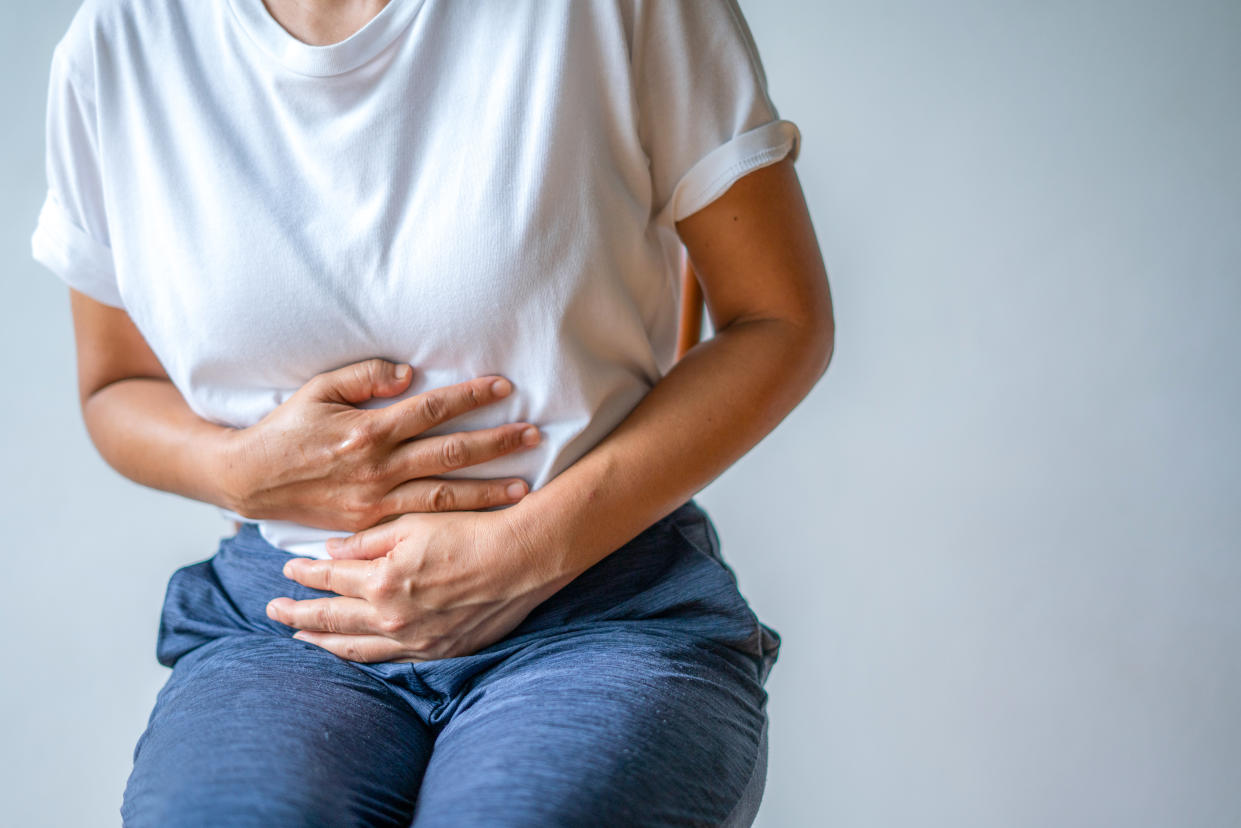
(633, 696)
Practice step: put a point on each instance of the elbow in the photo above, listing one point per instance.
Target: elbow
(808, 339)
(810, 345)
(822, 346)
(818, 334)
(827, 347)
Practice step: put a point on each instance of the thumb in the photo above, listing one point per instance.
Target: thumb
(360, 381)
(368, 544)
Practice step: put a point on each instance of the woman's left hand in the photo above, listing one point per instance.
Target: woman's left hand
(419, 587)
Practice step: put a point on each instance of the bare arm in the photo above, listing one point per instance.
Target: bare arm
(765, 285)
(137, 419)
(316, 458)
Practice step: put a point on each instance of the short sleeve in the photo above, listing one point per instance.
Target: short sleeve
(71, 234)
(705, 117)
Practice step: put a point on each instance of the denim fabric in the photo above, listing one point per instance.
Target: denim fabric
(634, 696)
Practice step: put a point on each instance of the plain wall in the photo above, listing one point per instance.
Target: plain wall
(999, 539)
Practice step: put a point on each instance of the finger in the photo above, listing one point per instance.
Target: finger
(349, 578)
(435, 494)
(364, 648)
(342, 615)
(359, 381)
(410, 417)
(446, 452)
(368, 544)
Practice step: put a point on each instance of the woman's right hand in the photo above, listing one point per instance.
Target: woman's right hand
(318, 460)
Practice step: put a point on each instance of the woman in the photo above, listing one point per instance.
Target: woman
(264, 212)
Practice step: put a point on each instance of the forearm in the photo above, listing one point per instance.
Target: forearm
(716, 403)
(144, 429)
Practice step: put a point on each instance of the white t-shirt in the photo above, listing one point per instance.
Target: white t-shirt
(472, 188)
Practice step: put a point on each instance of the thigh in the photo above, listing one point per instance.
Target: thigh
(255, 729)
(619, 725)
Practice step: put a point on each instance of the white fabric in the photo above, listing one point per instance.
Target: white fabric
(472, 188)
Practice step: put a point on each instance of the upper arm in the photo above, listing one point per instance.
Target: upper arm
(72, 236)
(755, 254)
(109, 346)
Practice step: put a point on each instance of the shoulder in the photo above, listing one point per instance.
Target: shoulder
(695, 27)
(100, 19)
(101, 29)
(698, 13)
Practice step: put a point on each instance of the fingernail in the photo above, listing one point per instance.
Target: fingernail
(289, 569)
(271, 610)
(530, 436)
(501, 387)
(402, 371)
(515, 490)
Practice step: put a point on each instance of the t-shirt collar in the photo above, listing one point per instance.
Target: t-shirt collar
(335, 58)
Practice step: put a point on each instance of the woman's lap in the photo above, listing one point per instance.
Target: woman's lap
(611, 728)
(633, 696)
(256, 730)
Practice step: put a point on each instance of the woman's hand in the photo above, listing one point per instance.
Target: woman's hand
(319, 460)
(422, 586)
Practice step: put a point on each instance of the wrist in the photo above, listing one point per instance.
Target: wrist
(232, 484)
(544, 552)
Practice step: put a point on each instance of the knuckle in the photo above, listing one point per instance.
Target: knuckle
(357, 514)
(357, 372)
(454, 452)
(441, 498)
(329, 582)
(357, 436)
(383, 585)
(432, 408)
(319, 383)
(511, 439)
(391, 624)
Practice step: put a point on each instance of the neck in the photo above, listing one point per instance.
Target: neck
(323, 22)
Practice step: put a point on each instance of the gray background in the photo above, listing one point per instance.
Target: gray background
(999, 538)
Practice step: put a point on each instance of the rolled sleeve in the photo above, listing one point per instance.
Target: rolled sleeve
(712, 175)
(705, 116)
(71, 236)
(65, 249)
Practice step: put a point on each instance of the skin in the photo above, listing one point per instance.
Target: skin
(315, 459)
(424, 585)
(323, 22)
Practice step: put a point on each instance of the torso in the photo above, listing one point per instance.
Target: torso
(471, 188)
(282, 209)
